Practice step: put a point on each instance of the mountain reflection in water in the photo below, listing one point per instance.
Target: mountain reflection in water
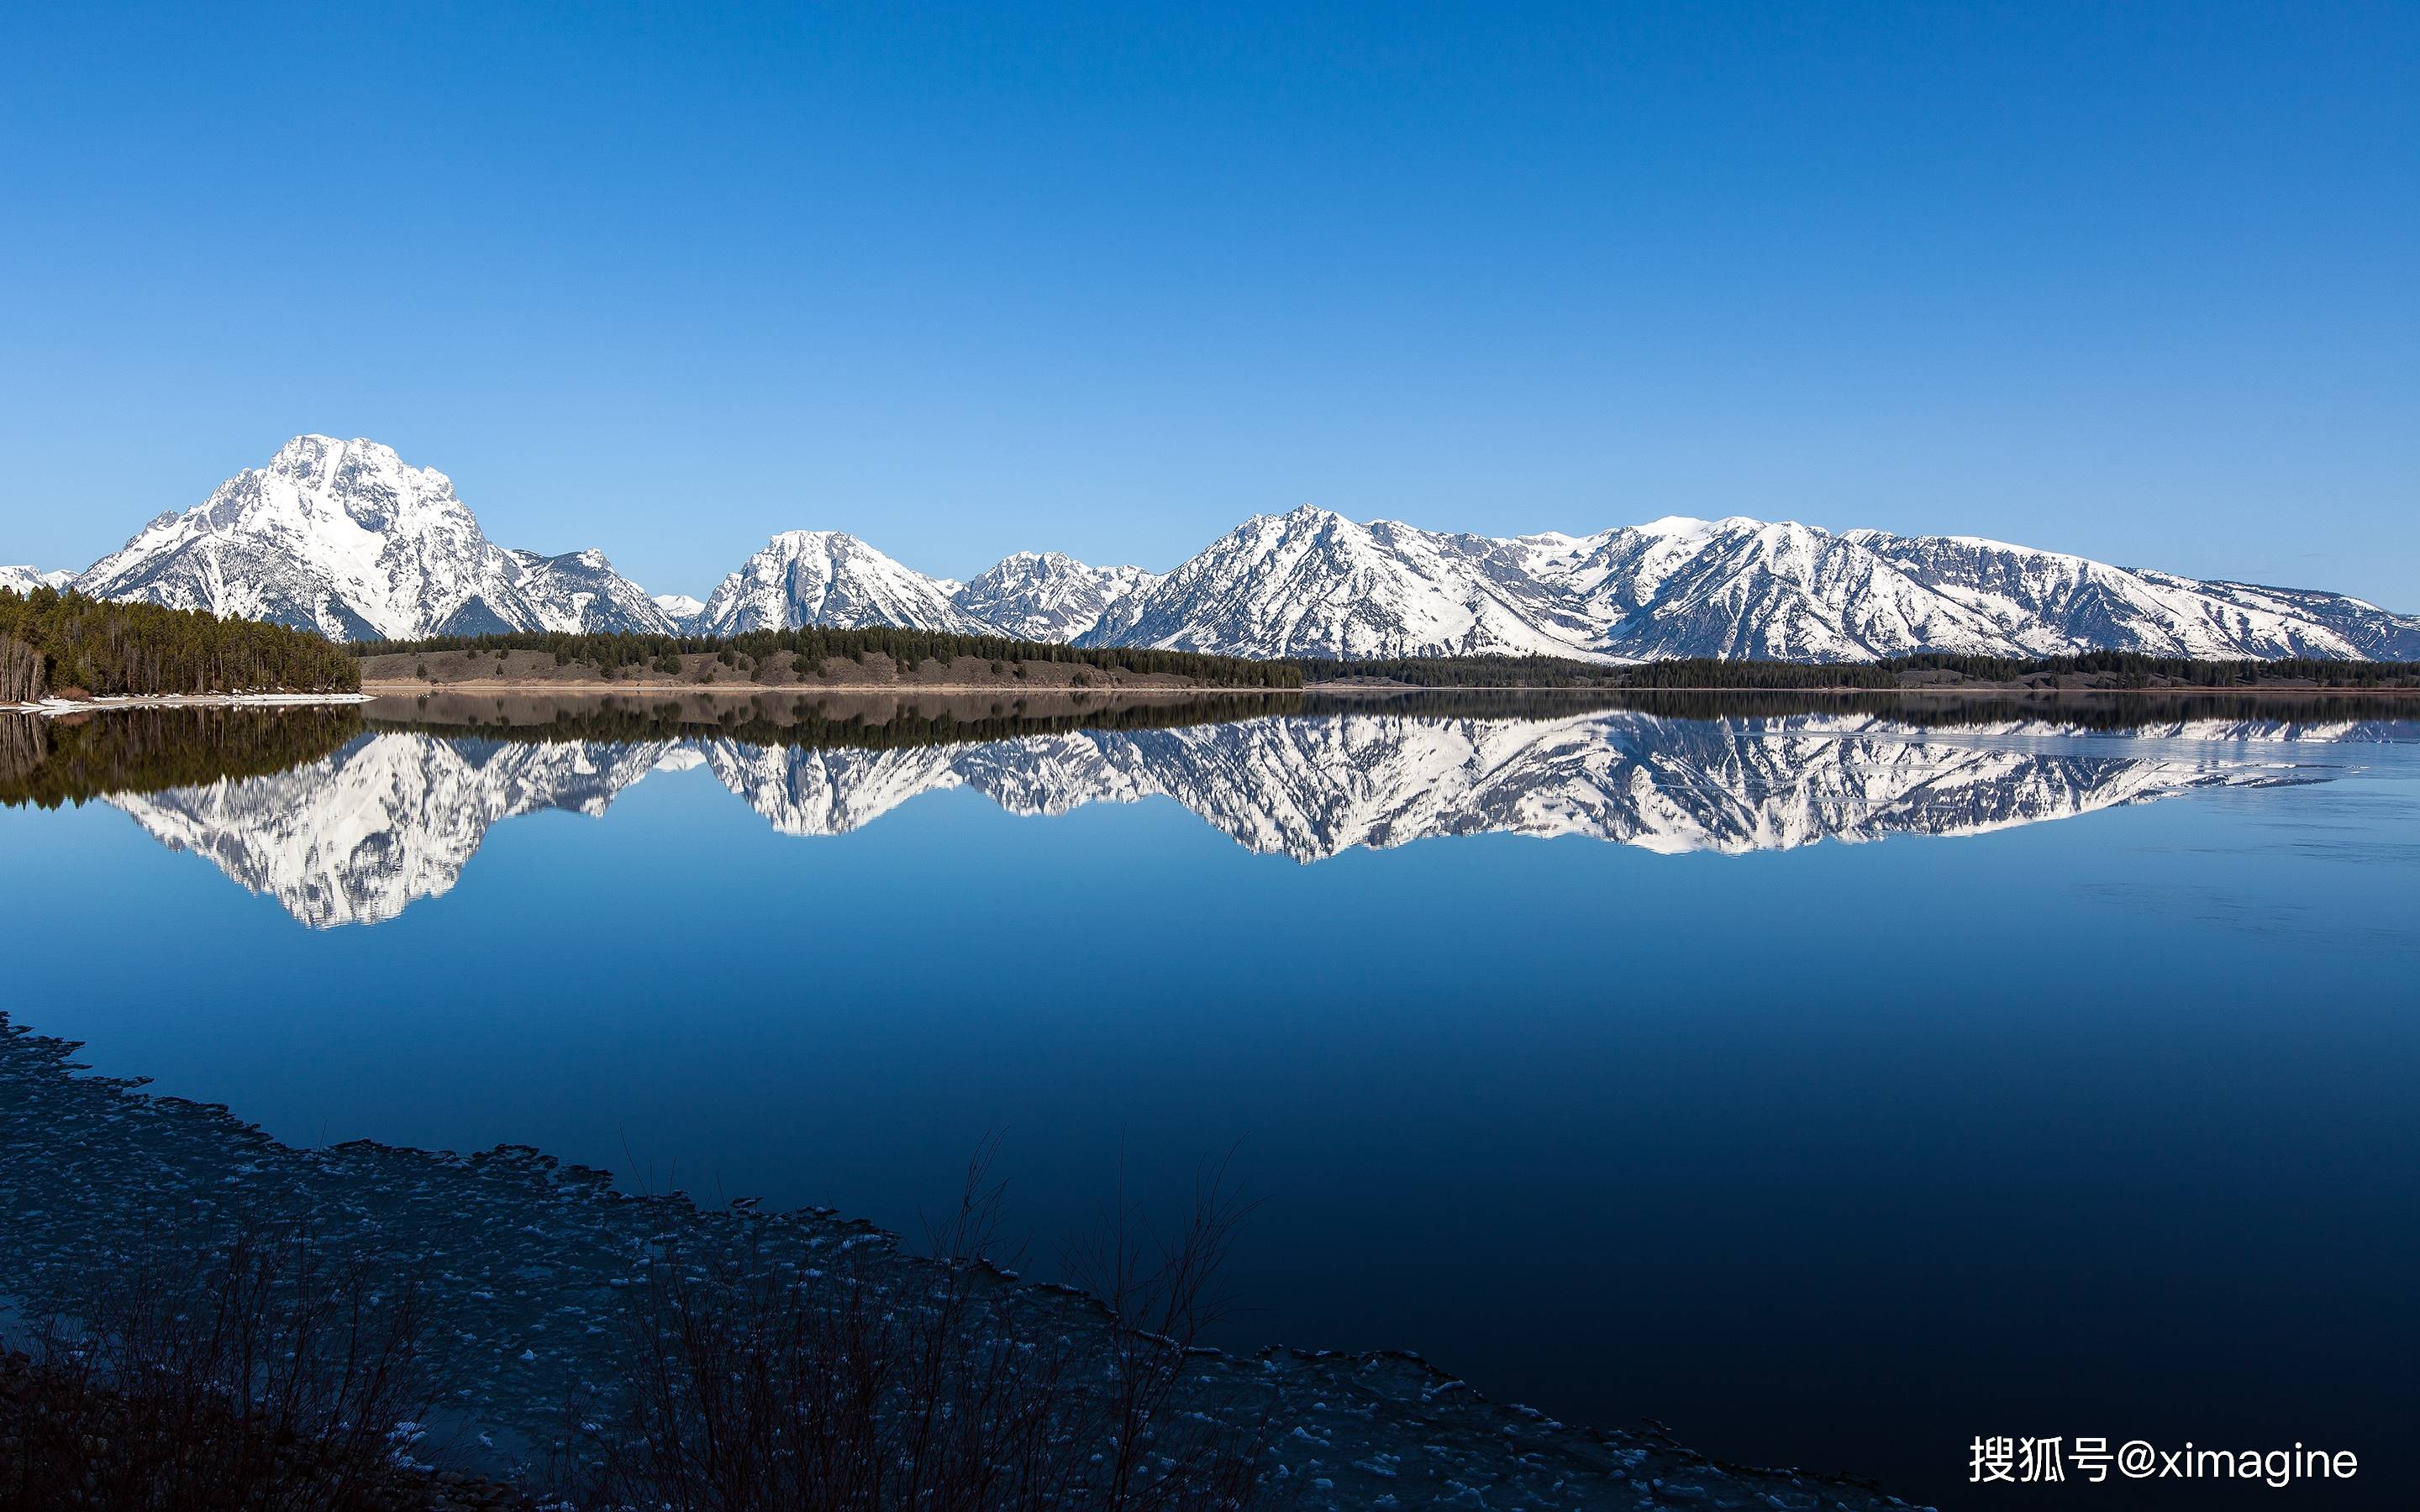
(344, 822)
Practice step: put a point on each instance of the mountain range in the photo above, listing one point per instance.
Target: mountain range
(346, 538)
(396, 816)
(25, 579)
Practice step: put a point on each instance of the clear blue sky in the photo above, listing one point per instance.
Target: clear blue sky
(2137, 280)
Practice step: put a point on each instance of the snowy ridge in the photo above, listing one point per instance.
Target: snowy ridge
(1050, 596)
(1314, 583)
(804, 578)
(680, 609)
(1311, 583)
(394, 817)
(580, 591)
(343, 537)
(25, 579)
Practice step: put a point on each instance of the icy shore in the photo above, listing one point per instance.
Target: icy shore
(530, 1264)
(185, 701)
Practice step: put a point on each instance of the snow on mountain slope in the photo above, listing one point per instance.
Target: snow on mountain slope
(25, 579)
(2372, 632)
(2054, 602)
(1050, 596)
(580, 591)
(1312, 583)
(803, 578)
(344, 538)
(1744, 588)
(679, 611)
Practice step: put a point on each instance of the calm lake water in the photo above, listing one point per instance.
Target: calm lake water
(1832, 1085)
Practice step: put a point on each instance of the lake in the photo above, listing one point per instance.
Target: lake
(1832, 1082)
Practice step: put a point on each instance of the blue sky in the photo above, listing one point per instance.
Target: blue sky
(2133, 280)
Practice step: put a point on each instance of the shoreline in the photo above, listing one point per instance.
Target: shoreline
(1343, 1431)
(185, 701)
(372, 691)
(378, 689)
(414, 688)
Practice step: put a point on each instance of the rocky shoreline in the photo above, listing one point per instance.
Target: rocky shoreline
(531, 1261)
(65, 1444)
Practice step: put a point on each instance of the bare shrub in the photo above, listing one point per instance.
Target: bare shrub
(264, 1375)
(847, 1378)
(1164, 1293)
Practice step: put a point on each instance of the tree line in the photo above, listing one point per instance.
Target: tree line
(1562, 672)
(771, 720)
(813, 645)
(2113, 669)
(2135, 669)
(65, 641)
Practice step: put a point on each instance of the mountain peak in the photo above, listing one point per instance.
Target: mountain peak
(800, 578)
(347, 539)
(681, 609)
(1310, 514)
(1049, 596)
(25, 579)
(315, 456)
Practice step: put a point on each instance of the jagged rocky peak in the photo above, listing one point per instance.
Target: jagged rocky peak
(25, 579)
(347, 539)
(375, 486)
(1048, 596)
(1312, 583)
(580, 591)
(801, 577)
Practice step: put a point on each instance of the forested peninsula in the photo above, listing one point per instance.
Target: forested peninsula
(55, 645)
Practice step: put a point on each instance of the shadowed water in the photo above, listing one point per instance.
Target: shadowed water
(1834, 1082)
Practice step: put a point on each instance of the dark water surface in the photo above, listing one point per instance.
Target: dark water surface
(1834, 1085)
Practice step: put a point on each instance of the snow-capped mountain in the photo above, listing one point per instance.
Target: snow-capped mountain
(1311, 583)
(394, 817)
(25, 579)
(679, 610)
(2062, 603)
(580, 591)
(1048, 596)
(1742, 588)
(343, 537)
(804, 578)
(1314, 583)
(346, 538)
